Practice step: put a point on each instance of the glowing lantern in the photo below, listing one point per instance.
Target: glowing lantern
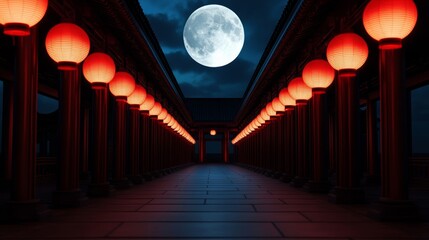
(137, 96)
(260, 119)
(270, 110)
(99, 68)
(318, 75)
(147, 103)
(299, 90)
(389, 21)
(156, 109)
(163, 114)
(277, 105)
(167, 119)
(265, 115)
(347, 51)
(285, 98)
(171, 122)
(67, 44)
(212, 132)
(18, 16)
(122, 84)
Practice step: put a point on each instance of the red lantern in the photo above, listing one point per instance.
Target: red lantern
(67, 44)
(347, 51)
(137, 96)
(285, 98)
(318, 75)
(155, 110)
(278, 106)
(212, 132)
(18, 16)
(147, 103)
(389, 21)
(260, 119)
(270, 110)
(122, 85)
(171, 122)
(299, 90)
(99, 68)
(265, 115)
(163, 114)
(167, 119)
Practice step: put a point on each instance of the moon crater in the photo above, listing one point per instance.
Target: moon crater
(213, 35)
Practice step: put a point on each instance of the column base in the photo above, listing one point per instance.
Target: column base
(121, 183)
(395, 211)
(23, 211)
(100, 190)
(347, 195)
(67, 199)
(136, 179)
(317, 187)
(298, 182)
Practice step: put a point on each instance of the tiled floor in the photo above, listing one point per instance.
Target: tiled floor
(212, 202)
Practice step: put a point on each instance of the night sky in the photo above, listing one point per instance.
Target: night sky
(167, 19)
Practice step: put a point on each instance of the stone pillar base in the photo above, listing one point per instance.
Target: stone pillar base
(67, 199)
(317, 187)
(395, 211)
(347, 195)
(121, 183)
(298, 182)
(100, 190)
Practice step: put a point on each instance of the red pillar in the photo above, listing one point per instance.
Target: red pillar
(201, 146)
(68, 193)
(23, 205)
(144, 145)
(99, 186)
(319, 139)
(301, 145)
(348, 189)
(8, 106)
(226, 147)
(135, 175)
(371, 140)
(394, 164)
(119, 179)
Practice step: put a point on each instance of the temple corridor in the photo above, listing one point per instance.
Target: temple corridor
(212, 201)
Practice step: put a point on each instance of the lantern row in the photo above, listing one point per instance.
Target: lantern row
(387, 21)
(68, 45)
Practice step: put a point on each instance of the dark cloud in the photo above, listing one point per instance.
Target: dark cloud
(167, 30)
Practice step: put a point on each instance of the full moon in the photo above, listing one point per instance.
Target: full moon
(213, 35)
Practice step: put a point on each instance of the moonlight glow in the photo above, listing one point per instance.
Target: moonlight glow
(213, 35)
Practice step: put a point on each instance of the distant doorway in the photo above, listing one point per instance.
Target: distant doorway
(213, 151)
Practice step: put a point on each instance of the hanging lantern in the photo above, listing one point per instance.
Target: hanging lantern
(347, 51)
(265, 115)
(155, 110)
(278, 106)
(122, 84)
(285, 99)
(18, 16)
(171, 122)
(299, 91)
(318, 75)
(212, 132)
(260, 119)
(389, 21)
(167, 119)
(137, 96)
(163, 114)
(99, 68)
(147, 103)
(67, 44)
(270, 110)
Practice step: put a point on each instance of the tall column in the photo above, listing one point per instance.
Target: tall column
(99, 186)
(24, 205)
(226, 147)
(201, 146)
(301, 145)
(371, 141)
(119, 179)
(135, 175)
(319, 138)
(394, 203)
(144, 145)
(8, 106)
(68, 193)
(348, 189)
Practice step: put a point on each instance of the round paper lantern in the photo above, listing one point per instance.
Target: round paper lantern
(137, 96)
(389, 21)
(122, 84)
(156, 109)
(270, 110)
(277, 105)
(167, 119)
(347, 51)
(212, 132)
(67, 44)
(147, 103)
(318, 75)
(18, 16)
(285, 98)
(299, 90)
(260, 119)
(99, 68)
(265, 115)
(163, 114)
(171, 122)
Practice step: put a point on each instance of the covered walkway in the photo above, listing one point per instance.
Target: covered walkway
(212, 201)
